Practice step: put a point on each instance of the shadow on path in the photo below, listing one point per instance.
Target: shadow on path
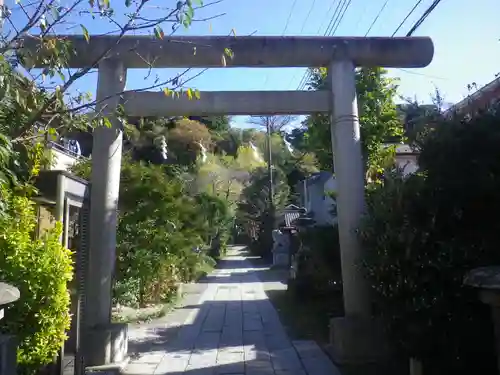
(229, 328)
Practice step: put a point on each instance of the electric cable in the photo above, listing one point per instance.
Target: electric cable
(337, 18)
(407, 16)
(284, 31)
(423, 17)
(376, 18)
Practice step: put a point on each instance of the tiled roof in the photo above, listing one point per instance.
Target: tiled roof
(479, 99)
(319, 178)
(290, 217)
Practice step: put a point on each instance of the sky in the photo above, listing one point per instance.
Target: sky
(465, 34)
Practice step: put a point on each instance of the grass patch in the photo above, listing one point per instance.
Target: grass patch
(145, 315)
(305, 319)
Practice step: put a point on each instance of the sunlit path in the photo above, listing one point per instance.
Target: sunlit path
(232, 329)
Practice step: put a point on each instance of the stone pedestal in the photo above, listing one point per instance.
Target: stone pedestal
(487, 281)
(8, 355)
(281, 249)
(281, 259)
(358, 340)
(114, 337)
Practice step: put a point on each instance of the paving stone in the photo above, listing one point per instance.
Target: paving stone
(292, 372)
(286, 359)
(230, 368)
(233, 329)
(139, 368)
(170, 365)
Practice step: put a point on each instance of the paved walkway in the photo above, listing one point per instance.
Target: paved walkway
(232, 329)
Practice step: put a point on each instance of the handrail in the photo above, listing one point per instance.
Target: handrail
(63, 149)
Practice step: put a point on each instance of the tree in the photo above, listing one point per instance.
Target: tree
(185, 138)
(36, 104)
(275, 124)
(46, 94)
(255, 210)
(217, 124)
(378, 117)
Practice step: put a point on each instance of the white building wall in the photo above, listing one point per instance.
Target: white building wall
(61, 160)
(320, 203)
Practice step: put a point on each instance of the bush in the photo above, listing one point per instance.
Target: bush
(425, 232)
(41, 270)
(216, 219)
(318, 261)
(159, 226)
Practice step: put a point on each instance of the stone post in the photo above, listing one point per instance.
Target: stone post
(353, 337)
(349, 174)
(487, 281)
(105, 179)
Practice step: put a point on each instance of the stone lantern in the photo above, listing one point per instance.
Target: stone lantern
(8, 343)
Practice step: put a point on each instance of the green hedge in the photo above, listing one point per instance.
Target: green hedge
(41, 270)
(425, 232)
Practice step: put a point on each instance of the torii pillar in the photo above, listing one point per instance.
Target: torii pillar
(356, 336)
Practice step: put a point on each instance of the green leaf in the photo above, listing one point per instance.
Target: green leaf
(159, 34)
(197, 94)
(85, 33)
(189, 94)
(106, 122)
(128, 3)
(228, 52)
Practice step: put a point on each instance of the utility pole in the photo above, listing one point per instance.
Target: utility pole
(270, 173)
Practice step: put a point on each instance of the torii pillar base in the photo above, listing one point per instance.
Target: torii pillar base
(358, 341)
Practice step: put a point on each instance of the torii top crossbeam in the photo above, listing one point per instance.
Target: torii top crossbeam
(247, 51)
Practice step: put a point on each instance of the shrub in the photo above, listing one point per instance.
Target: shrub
(159, 226)
(318, 260)
(41, 270)
(216, 220)
(425, 232)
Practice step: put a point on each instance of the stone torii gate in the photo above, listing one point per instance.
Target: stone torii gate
(354, 337)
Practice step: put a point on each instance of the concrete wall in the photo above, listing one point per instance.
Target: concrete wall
(406, 159)
(407, 163)
(45, 219)
(319, 203)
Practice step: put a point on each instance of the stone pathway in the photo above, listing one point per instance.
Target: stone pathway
(231, 328)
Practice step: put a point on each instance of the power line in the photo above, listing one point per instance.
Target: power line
(328, 30)
(334, 17)
(326, 17)
(317, 32)
(414, 28)
(289, 17)
(423, 17)
(376, 18)
(407, 16)
(341, 17)
(307, 17)
(337, 18)
(421, 74)
(284, 31)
